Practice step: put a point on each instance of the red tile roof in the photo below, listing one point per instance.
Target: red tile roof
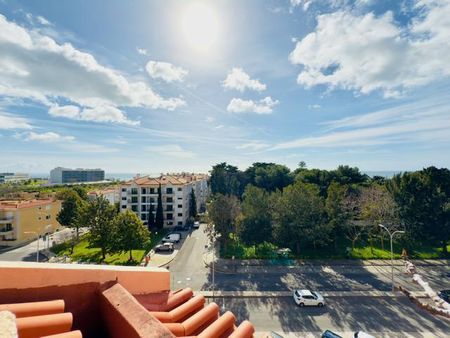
(19, 204)
(173, 179)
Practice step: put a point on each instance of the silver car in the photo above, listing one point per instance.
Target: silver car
(308, 298)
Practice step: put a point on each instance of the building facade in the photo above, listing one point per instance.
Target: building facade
(66, 176)
(13, 177)
(22, 221)
(112, 195)
(140, 193)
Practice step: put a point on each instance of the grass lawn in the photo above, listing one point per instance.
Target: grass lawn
(362, 251)
(83, 252)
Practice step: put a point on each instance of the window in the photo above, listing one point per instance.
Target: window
(134, 191)
(48, 216)
(152, 191)
(180, 206)
(134, 208)
(124, 189)
(143, 208)
(169, 216)
(143, 199)
(169, 191)
(124, 198)
(143, 191)
(152, 200)
(180, 223)
(169, 208)
(169, 199)
(143, 217)
(180, 189)
(180, 214)
(134, 199)
(180, 198)
(124, 206)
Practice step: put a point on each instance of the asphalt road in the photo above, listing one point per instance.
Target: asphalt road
(187, 269)
(28, 252)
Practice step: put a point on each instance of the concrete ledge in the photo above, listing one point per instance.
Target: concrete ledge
(274, 294)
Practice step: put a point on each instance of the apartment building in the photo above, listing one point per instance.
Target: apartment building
(13, 177)
(110, 194)
(142, 192)
(22, 221)
(61, 175)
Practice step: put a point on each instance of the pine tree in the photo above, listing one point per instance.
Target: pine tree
(159, 219)
(192, 205)
(151, 218)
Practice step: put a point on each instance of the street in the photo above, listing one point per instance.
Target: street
(393, 316)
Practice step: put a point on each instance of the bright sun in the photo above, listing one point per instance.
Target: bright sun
(200, 26)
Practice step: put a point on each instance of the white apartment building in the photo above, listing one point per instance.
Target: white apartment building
(141, 192)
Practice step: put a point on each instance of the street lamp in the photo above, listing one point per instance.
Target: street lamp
(392, 251)
(37, 235)
(213, 237)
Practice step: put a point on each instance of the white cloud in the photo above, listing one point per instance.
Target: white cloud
(36, 66)
(314, 106)
(10, 121)
(264, 106)
(43, 21)
(100, 113)
(142, 51)
(165, 71)
(421, 122)
(47, 137)
(240, 80)
(255, 146)
(171, 150)
(365, 53)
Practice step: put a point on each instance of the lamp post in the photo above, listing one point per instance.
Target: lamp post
(37, 235)
(391, 235)
(213, 237)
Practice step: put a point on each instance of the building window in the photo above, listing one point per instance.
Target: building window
(134, 191)
(124, 189)
(180, 189)
(169, 199)
(152, 200)
(180, 206)
(180, 223)
(169, 191)
(124, 198)
(143, 199)
(134, 199)
(48, 216)
(134, 208)
(124, 206)
(169, 216)
(152, 191)
(143, 208)
(180, 198)
(143, 191)
(180, 214)
(143, 217)
(169, 208)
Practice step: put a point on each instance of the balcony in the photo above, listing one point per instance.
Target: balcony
(6, 231)
(4, 220)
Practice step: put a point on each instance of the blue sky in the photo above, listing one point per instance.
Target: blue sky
(157, 86)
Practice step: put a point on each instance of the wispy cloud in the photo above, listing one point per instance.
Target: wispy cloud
(264, 106)
(254, 146)
(142, 51)
(165, 71)
(10, 121)
(49, 137)
(171, 150)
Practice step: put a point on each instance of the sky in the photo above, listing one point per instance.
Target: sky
(167, 86)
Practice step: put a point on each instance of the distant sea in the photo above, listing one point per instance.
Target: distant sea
(129, 176)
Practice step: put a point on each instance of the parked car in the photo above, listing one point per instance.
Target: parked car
(330, 334)
(308, 298)
(361, 334)
(445, 295)
(196, 225)
(168, 247)
(172, 238)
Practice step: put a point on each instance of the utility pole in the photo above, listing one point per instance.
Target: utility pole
(391, 235)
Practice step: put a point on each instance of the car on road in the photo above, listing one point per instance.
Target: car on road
(172, 238)
(167, 247)
(196, 225)
(361, 334)
(308, 298)
(445, 295)
(330, 334)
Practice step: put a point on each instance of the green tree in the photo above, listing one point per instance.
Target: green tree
(159, 217)
(299, 217)
(226, 179)
(192, 204)
(255, 225)
(98, 215)
(334, 207)
(269, 176)
(151, 218)
(130, 233)
(81, 191)
(70, 209)
(223, 211)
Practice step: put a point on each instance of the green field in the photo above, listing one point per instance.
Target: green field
(83, 252)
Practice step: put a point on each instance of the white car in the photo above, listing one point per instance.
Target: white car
(308, 298)
(196, 225)
(172, 238)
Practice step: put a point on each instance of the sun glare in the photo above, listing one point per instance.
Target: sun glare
(200, 26)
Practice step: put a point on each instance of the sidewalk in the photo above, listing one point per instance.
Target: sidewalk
(160, 259)
(274, 294)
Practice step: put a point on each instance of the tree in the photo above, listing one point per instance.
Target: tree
(269, 176)
(81, 191)
(98, 215)
(223, 211)
(423, 198)
(334, 207)
(192, 204)
(151, 218)
(255, 225)
(130, 233)
(159, 218)
(227, 180)
(70, 209)
(299, 217)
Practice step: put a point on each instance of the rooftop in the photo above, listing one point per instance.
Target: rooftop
(172, 179)
(19, 204)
